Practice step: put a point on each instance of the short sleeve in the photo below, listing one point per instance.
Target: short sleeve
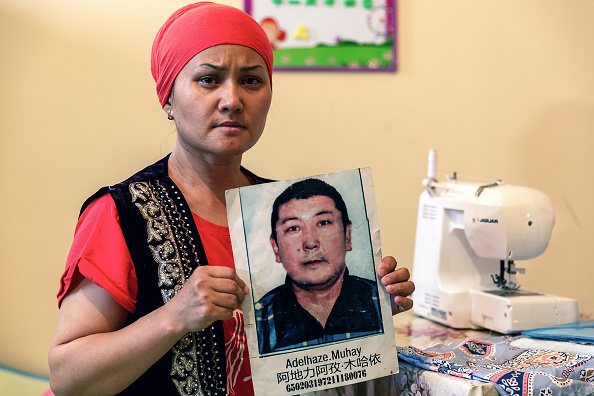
(100, 254)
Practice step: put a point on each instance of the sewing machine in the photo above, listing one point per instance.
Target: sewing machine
(469, 237)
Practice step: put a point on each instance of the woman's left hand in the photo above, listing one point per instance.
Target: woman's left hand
(397, 284)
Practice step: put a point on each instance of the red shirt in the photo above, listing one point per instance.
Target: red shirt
(99, 253)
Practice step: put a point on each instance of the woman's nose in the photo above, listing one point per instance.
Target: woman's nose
(230, 101)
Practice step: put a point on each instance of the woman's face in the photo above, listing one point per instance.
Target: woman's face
(220, 101)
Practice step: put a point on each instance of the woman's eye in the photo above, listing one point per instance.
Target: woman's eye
(251, 80)
(207, 80)
(292, 229)
(325, 222)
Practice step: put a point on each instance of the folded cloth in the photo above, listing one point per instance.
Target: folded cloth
(553, 345)
(513, 371)
(580, 332)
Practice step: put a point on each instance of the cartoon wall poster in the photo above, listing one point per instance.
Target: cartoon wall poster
(317, 316)
(357, 35)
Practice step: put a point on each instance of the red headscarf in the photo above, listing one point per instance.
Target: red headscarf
(196, 27)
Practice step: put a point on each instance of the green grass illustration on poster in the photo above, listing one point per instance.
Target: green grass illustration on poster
(350, 35)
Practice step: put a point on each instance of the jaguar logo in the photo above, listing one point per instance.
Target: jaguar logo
(480, 220)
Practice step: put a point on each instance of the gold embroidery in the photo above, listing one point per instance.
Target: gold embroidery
(165, 254)
(165, 251)
(183, 366)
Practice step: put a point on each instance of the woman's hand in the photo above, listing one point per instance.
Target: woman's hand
(397, 284)
(211, 294)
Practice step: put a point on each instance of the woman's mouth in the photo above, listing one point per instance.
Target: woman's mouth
(230, 124)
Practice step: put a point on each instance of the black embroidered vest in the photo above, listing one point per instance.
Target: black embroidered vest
(166, 248)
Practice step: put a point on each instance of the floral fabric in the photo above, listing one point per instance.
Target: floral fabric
(513, 371)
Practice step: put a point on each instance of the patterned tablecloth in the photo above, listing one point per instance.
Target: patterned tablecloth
(437, 360)
(415, 332)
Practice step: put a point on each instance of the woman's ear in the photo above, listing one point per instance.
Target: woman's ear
(169, 110)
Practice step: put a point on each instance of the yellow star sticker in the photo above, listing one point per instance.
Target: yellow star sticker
(301, 33)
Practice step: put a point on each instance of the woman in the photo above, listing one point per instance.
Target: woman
(149, 301)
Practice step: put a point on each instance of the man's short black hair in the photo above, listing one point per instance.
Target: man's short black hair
(304, 189)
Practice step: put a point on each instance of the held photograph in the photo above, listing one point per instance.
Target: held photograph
(315, 309)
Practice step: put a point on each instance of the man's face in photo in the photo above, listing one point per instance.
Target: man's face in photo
(311, 241)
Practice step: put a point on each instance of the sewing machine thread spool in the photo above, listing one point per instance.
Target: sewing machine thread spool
(432, 165)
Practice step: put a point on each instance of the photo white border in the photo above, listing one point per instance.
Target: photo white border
(273, 374)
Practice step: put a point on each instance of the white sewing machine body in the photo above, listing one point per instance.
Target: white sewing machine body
(468, 237)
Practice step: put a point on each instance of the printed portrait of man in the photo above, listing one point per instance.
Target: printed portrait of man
(319, 301)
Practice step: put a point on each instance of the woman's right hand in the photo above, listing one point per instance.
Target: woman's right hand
(210, 294)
